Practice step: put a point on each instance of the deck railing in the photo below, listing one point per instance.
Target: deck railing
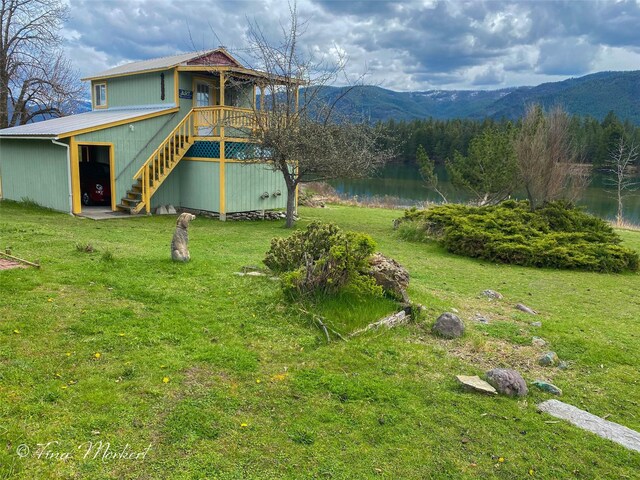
(218, 121)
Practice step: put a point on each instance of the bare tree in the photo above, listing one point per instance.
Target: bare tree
(428, 171)
(35, 78)
(621, 161)
(548, 160)
(297, 129)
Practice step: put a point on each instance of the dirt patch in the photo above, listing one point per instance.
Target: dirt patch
(6, 264)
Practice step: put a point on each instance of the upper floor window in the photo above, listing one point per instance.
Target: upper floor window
(100, 95)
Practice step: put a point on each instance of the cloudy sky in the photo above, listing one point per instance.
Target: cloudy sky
(401, 45)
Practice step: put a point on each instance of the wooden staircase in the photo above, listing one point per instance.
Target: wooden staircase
(158, 167)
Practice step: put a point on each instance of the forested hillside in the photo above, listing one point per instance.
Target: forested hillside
(592, 95)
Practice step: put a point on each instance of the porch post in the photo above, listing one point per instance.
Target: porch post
(75, 176)
(223, 116)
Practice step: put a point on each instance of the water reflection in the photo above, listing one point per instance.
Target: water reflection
(403, 181)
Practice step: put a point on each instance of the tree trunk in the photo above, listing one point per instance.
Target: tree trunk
(291, 206)
(619, 216)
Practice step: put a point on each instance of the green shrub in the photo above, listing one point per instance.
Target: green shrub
(556, 235)
(322, 259)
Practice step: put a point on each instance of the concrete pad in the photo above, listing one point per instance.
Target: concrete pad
(102, 213)
(603, 428)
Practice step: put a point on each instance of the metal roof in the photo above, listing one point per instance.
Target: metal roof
(158, 63)
(96, 118)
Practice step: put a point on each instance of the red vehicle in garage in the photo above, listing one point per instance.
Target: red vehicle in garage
(95, 182)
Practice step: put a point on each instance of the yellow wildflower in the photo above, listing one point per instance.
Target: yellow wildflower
(97, 354)
(244, 425)
(16, 331)
(165, 380)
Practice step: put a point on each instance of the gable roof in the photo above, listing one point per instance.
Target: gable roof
(217, 57)
(64, 126)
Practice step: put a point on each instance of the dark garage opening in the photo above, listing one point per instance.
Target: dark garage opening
(95, 175)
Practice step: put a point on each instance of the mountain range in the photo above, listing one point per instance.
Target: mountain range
(593, 95)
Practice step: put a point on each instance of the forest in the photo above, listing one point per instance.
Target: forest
(442, 138)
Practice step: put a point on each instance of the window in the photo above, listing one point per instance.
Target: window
(100, 95)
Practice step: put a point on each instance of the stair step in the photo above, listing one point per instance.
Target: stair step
(134, 195)
(126, 208)
(130, 201)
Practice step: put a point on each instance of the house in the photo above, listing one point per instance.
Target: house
(172, 130)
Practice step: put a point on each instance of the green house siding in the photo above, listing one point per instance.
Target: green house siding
(245, 183)
(132, 147)
(141, 89)
(36, 170)
(200, 185)
(169, 191)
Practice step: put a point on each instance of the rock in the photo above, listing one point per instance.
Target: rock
(617, 433)
(256, 274)
(563, 365)
(538, 342)
(547, 387)
(536, 324)
(240, 274)
(480, 318)
(507, 382)
(161, 210)
(454, 310)
(390, 275)
(549, 359)
(476, 384)
(492, 294)
(171, 210)
(525, 309)
(448, 325)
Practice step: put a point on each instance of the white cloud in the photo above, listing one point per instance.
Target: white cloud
(403, 46)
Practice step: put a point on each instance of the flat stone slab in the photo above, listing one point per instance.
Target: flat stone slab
(475, 383)
(603, 428)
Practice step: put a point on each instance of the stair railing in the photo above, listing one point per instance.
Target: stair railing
(160, 163)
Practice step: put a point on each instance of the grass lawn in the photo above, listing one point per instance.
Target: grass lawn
(222, 379)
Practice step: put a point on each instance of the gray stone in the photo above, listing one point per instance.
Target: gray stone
(256, 274)
(603, 428)
(161, 210)
(448, 325)
(563, 365)
(547, 387)
(480, 318)
(538, 342)
(536, 324)
(549, 359)
(171, 210)
(507, 382)
(492, 294)
(525, 309)
(476, 384)
(390, 275)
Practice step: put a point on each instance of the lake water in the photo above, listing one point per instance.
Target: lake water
(404, 182)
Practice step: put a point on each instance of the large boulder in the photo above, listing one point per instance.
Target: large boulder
(390, 275)
(448, 325)
(507, 382)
